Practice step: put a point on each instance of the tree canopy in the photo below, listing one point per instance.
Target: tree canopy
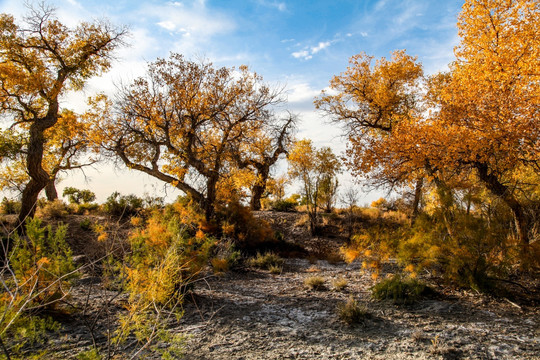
(185, 123)
(40, 61)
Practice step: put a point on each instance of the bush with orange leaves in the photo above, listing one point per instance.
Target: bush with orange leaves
(169, 251)
(247, 232)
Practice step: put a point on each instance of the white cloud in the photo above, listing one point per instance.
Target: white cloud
(301, 92)
(200, 21)
(321, 46)
(303, 54)
(308, 52)
(168, 25)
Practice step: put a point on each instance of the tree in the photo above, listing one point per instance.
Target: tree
(273, 140)
(328, 192)
(77, 196)
(311, 166)
(40, 61)
(372, 101)
(66, 149)
(488, 116)
(184, 123)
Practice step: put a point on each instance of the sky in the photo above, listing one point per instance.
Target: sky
(297, 45)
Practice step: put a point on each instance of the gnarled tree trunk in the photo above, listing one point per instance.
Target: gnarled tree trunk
(38, 176)
(50, 190)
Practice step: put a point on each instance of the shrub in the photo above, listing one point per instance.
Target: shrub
(86, 225)
(266, 261)
(352, 312)
(35, 277)
(249, 233)
(315, 283)
(122, 205)
(275, 269)
(287, 205)
(398, 289)
(219, 265)
(167, 255)
(10, 206)
(84, 208)
(52, 210)
(469, 250)
(76, 196)
(340, 284)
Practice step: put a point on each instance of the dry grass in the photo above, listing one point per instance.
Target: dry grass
(340, 284)
(315, 283)
(352, 312)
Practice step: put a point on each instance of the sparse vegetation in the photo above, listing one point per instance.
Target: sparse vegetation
(55, 210)
(317, 283)
(266, 261)
(353, 312)
(399, 289)
(340, 284)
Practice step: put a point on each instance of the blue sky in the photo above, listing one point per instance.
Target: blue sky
(299, 45)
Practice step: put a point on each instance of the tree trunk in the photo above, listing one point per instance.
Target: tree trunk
(257, 191)
(38, 176)
(497, 188)
(210, 200)
(50, 190)
(417, 198)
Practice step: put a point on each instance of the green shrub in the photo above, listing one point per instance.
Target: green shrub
(86, 225)
(399, 290)
(123, 205)
(84, 208)
(315, 283)
(352, 312)
(225, 257)
(266, 261)
(36, 276)
(287, 205)
(76, 196)
(10, 206)
(468, 250)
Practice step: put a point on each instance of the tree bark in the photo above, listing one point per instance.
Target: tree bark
(50, 190)
(258, 188)
(38, 176)
(257, 191)
(499, 189)
(210, 201)
(417, 198)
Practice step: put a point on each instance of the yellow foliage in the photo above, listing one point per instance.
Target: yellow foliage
(350, 254)
(220, 265)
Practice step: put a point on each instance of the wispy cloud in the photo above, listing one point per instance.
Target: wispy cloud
(303, 54)
(320, 46)
(279, 5)
(194, 19)
(307, 52)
